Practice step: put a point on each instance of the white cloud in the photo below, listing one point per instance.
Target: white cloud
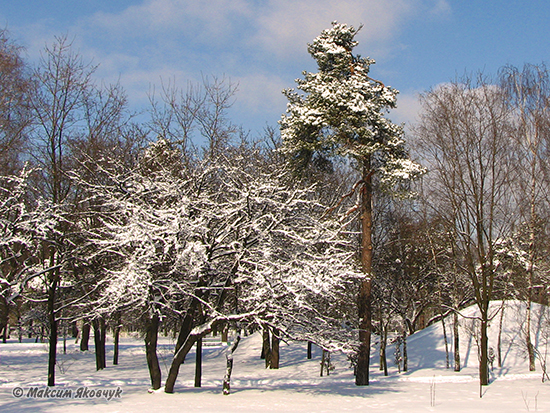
(285, 26)
(408, 108)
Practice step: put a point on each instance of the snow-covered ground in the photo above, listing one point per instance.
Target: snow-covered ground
(296, 386)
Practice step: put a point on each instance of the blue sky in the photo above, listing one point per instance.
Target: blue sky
(262, 45)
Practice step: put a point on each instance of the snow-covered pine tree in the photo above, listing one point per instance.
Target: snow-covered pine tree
(340, 113)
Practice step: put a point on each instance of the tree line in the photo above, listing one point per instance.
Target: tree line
(326, 233)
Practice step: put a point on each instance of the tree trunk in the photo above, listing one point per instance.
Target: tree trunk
(456, 341)
(364, 299)
(266, 346)
(447, 361)
(405, 354)
(179, 357)
(151, 337)
(499, 340)
(186, 326)
(383, 346)
(85, 337)
(4, 318)
(52, 355)
(484, 357)
(274, 349)
(99, 341)
(116, 337)
(229, 370)
(528, 343)
(309, 345)
(198, 363)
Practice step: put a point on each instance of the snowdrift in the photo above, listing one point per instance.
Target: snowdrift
(297, 386)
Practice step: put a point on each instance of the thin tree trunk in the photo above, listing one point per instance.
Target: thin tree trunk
(383, 346)
(116, 337)
(309, 345)
(229, 369)
(364, 299)
(499, 340)
(456, 341)
(198, 363)
(405, 354)
(52, 355)
(151, 337)
(447, 361)
(274, 364)
(84, 339)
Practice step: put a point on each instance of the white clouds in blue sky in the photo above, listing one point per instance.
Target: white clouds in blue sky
(261, 44)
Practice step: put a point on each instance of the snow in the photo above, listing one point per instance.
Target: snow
(296, 386)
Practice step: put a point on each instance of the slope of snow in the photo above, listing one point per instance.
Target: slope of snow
(296, 386)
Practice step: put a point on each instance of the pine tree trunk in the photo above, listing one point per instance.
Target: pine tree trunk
(198, 363)
(274, 364)
(85, 337)
(151, 337)
(309, 345)
(364, 299)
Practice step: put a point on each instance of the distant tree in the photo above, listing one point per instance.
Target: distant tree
(528, 94)
(15, 117)
(341, 114)
(464, 134)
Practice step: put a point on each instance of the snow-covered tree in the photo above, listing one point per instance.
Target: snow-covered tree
(340, 113)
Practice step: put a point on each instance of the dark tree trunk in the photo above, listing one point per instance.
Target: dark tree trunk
(52, 356)
(151, 338)
(177, 361)
(116, 337)
(186, 327)
(274, 349)
(405, 355)
(266, 346)
(85, 338)
(484, 357)
(229, 369)
(198, 363)
(309, 345)
(99, 341)
(74, 330)
(364, 298)
(383, 346)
